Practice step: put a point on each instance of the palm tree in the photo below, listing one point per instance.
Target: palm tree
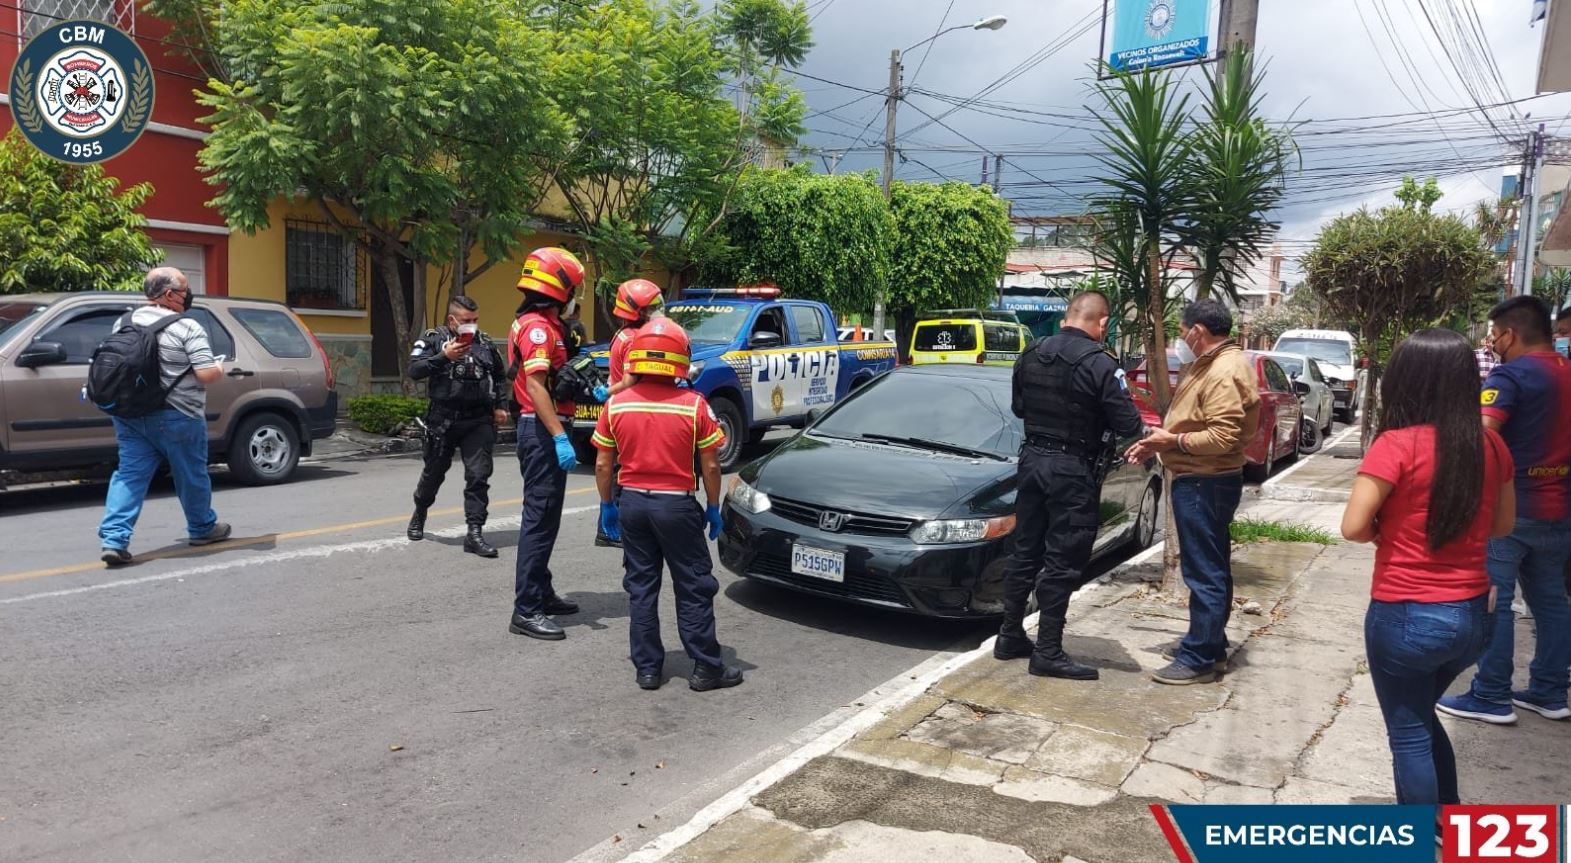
(1236, 174)
(1148, 197)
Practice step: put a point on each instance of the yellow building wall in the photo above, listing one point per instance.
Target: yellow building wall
(256, 269)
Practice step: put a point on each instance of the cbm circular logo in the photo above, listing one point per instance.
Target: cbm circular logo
(82, 91)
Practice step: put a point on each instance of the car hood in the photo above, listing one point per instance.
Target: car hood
(1341, 373)
(884, 480)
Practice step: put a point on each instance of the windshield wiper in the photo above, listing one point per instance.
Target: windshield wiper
(939, 446)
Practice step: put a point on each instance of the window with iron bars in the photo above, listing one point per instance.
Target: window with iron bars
(39, 15)
(323, 269)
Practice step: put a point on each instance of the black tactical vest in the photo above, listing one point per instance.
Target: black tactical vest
(1055, 412)
(464, 384)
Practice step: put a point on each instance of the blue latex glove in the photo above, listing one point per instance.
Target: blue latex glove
(712, 515)
(611, 521)
(564, 452)
(602, 392)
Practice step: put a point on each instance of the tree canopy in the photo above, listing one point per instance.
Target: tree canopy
(951, 243)
(826, 238)
(65, 227)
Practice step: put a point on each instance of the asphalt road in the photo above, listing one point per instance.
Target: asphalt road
(322, 689)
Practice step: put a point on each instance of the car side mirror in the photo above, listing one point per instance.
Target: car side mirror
(814, 415)
(41, 354)
(1300, 387)
(765, 340)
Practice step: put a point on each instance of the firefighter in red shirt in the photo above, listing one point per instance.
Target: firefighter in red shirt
(538, 348)
(637, 300)
(654, 427)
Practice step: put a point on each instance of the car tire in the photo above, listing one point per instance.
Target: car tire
(1345, 415)
(1310, 437)
(264, 450)
(729, 415)
(1144, 534)
(1262, 472)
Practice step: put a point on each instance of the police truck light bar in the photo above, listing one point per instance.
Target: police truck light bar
(764, 292)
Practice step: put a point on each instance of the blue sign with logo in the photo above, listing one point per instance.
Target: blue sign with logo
(1028, 303)
(1151, 33)
(82, 91)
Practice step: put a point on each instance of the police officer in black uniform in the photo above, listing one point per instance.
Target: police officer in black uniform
(1075, 402)
(468, 389)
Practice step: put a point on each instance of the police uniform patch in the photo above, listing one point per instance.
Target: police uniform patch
(82, 91)
(1489, 396)
(419, 346)
(537, 336)
(1123, 380)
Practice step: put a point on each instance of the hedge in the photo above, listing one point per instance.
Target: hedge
(384, 414)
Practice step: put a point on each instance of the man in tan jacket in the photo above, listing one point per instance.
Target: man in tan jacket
(1212, 418)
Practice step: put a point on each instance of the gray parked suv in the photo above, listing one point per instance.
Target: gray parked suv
(275, 399)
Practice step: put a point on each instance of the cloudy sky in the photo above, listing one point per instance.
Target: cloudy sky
(1331, 63)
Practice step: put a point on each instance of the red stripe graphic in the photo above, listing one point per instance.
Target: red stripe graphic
(1174, 840)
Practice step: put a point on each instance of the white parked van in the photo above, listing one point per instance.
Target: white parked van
(1336, 353)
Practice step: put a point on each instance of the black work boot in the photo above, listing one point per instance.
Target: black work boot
(603, 541)
(416, 530)
(475, 542)
(1058, 664)
(1012, 647)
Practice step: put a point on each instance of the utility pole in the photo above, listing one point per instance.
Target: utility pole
(998, 172)
(984, 169)
(890, 102)
(1237, 25)
(1527, 224)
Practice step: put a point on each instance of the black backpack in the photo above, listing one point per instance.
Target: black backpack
(125, 378)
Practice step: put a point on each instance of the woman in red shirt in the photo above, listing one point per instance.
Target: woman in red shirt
(1433, 488)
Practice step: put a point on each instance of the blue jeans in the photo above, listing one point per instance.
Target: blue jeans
(1203, 508)
(1416, 650)
(1534, 556)
(167, 435)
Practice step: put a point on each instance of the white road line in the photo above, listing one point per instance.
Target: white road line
(310, 553)
(881, 700)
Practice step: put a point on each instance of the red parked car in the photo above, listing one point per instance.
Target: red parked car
(1281, 413)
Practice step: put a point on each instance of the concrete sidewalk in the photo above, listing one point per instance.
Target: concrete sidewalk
(983, 762)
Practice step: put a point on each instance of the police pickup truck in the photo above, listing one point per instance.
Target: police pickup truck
(761, 361)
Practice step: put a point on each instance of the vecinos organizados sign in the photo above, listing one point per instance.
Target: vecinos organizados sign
(82, 91)
(1152, 33)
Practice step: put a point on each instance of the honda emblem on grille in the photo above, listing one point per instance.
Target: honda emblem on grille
(831, 521)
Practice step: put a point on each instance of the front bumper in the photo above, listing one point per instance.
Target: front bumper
(884, 571)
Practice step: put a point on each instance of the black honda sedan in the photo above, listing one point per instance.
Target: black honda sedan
(902, 496)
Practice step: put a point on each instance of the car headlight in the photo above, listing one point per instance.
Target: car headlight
(696, 369)
(962, 530)
(748, 499)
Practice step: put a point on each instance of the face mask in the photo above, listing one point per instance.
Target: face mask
(1563, 345)
(1186, 354)
(571, 309)
(185, 301)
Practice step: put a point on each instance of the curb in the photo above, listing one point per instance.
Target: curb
(908, 690)
(1277, 488)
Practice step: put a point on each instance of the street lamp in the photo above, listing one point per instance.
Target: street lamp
(992, 22)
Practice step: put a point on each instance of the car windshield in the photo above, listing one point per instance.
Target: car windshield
(1293, 367)
(952, 410)
(13, 314)
(710, 323)
(1325, 350)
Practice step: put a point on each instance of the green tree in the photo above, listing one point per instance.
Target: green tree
(1393, 271)
(1418, 196)
(65, 227)
(1145, 160)
(417, 123)
(1553, 287)
(654, 142)
(951, 243)
(826, 238)
(767, 37)
(1236, 175)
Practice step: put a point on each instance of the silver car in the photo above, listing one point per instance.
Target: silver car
(1315, 394)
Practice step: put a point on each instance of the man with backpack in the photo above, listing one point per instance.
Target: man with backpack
(151, 377)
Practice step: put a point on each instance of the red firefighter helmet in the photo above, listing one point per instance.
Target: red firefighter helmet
(661, 348)
(552, 272)
(634, 297)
